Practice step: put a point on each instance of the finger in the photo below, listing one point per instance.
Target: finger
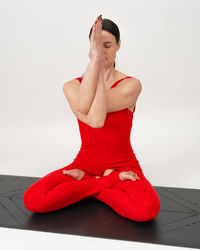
(99, 22)
(98, 26)
(101, 25)
(94, 31)
(99, 17)
(94, 25)
(96, 21)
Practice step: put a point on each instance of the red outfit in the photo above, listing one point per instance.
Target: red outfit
(101, 148)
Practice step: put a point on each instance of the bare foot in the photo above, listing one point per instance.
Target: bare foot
(106, 172)
(128, 175)
(75, 173)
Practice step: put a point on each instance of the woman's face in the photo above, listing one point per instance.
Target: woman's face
(109, 46)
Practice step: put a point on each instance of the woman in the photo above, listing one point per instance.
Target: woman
(106, 168)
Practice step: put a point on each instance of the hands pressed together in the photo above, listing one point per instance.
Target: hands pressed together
(96, 43)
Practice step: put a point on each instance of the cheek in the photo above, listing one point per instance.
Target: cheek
(111, 54)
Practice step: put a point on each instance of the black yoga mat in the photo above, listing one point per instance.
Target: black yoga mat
(177, 224)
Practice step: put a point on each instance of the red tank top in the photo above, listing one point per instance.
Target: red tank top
(109, 144)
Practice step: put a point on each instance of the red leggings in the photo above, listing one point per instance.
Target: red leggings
(135, 200)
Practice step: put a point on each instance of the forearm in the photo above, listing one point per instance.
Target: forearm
(88, 85)
(98, 109)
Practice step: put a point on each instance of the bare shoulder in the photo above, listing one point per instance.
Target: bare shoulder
(73, 83)
(130, 84)
(132, 79)
(134, 83)
(70, 89)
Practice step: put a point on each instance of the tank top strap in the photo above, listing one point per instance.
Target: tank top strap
(78, 78)
(120, 81)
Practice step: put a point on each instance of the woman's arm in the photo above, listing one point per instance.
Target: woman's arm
(88, 85)
(98, 109)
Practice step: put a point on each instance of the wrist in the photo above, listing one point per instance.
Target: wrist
(96, 59)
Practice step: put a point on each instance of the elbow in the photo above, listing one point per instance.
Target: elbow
(100, 125)
(140, 86)
(82, 109)
(97, 124)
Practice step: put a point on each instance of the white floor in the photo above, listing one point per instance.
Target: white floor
(31, 240)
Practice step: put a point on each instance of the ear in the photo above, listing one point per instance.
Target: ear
(118, 45)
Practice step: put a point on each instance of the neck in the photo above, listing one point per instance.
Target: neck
(109, 73)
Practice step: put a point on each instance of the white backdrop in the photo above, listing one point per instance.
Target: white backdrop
(45, 43)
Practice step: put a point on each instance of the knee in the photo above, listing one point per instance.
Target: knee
(28, 201)
(149, 210)
(32, 202)
(142, 211)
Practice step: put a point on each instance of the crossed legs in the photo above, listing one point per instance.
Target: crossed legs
(135, 200)
(57, 190)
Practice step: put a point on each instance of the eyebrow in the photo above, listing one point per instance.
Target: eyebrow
(108, 42)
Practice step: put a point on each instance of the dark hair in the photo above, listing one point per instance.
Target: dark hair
(111, 27)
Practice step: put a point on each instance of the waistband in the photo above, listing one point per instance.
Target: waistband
(106, 156)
